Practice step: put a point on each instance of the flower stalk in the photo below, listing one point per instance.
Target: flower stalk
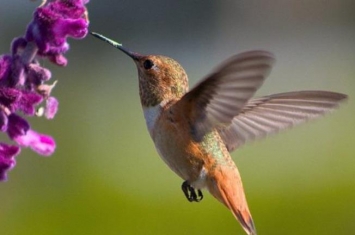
(23, 81)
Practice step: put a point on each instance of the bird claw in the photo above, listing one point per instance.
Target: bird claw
(190, 192)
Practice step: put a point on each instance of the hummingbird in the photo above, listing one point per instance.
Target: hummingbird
(194, 131)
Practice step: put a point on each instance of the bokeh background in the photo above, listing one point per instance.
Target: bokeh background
(106, 177)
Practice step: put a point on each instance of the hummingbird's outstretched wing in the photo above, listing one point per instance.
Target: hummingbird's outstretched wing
(270, 114)
(224, 93)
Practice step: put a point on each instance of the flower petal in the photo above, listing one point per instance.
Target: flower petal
(28, 102)
(3, 121)
(7, 159)
(17, 126)
(58, 59)
(10, 98)
(42, 144)
(37, 74)
(51, 107)
(76, 28)
(5, 66)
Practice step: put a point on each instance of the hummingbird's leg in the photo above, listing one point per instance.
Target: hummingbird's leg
(186, 189)
(194, 195)
(200, 195)
(190, 192)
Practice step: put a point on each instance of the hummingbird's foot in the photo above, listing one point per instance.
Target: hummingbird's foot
(190, 192)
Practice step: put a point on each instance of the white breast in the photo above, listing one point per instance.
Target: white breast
(151, 115)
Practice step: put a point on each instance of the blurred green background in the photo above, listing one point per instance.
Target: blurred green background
(106, 177)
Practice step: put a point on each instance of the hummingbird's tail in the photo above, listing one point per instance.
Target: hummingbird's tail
(226, 186)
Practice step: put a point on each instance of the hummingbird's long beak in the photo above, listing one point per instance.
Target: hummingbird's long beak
(133, 55)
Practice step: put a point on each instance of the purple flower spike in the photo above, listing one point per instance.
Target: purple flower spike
(42, 144)
(23, 81)
(7, 159)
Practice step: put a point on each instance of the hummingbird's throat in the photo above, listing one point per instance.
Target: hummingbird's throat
(149, 93)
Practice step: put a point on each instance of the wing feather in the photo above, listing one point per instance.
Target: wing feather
(270, 114)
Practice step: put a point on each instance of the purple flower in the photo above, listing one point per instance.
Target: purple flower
(42, 144)
(7, 159)
(53, 23)
(23, 80)
(5, 63)
(51, 107)
(37, 75)
(17, 126)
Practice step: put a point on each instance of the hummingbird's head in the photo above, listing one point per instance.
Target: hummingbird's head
(161, 78)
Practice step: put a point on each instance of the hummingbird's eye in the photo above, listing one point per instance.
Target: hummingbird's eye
(148, 64)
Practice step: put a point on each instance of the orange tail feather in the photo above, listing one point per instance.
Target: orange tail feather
(226, 186)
